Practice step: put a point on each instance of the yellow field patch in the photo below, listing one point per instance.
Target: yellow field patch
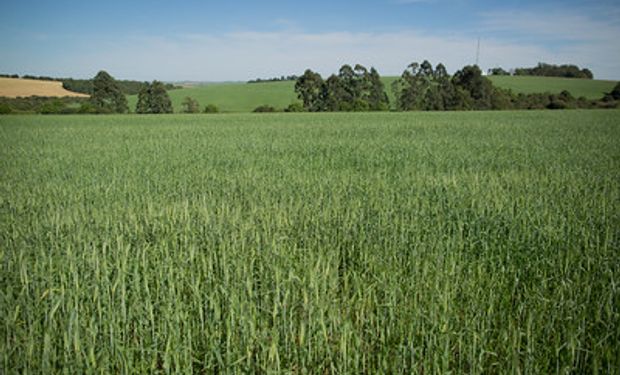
(17, 87)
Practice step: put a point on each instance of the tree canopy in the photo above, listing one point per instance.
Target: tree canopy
(310, 89)
(107, 96)
(153, 98)
(550, 70)
(190, 105)
(352, 89)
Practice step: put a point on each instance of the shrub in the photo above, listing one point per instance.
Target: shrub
(190, 105)
(53, 107)
(5, 109)
(87, 107)
(211, 108)
(294, 107)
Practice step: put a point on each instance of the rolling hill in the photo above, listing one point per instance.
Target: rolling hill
(18, 87)
(244, 97)
(589, 88)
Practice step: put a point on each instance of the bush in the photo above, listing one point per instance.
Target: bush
(615, 93)
(294, 107)
(190, 105)
(211, 108)
(52, 108)
(5, 109)
(264, 109)
(87, 108)
(498, 71)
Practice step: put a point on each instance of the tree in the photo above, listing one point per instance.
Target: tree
(353, 88)
(498, 71)
(615, 93)
(190, 105)
(480, 88)
(107, 96)
(294, 107)
(211, 108)
(335, 98)
(54, 107)
(144, 99)
(160, 101)
(310, 90)
(549, 70)
(411, 89)
(377, 98)
(421, 87)
(5, 109)
(153, 98)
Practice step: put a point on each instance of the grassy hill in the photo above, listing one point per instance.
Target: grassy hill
(590, 88)
(243, 97)
(233, 97)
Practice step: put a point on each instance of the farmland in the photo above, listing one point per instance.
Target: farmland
(471, 242)
(241, 97)
(12, 87)
(589, 88)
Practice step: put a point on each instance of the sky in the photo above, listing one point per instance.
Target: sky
(236, 40)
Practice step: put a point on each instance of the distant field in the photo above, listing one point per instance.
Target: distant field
(590, 88)
(242, 97)
(330, 243)
(233, 97)
(16, 87)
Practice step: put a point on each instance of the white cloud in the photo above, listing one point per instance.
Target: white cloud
(246, 55)
(565, 37)
(552, 26)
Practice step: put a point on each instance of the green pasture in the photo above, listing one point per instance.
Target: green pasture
(233, 97)
(589, 88)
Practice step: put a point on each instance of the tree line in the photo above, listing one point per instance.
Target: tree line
(274, 79)
(86, 86)
(422, 87)
(107, 95)
(546, 70)
(352, 89)
(127, 87)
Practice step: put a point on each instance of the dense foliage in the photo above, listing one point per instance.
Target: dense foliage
(211, 108)
(498, 71)
(274, 79)
(422, 87)
(614, 94)
(127, 87)
(85, 86)
(153, 99)
(375, 243)
(353, 89)
(190, 105)
(46, 105)
(547, 70)
(107, 96)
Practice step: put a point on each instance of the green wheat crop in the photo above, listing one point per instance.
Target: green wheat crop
(422, 243)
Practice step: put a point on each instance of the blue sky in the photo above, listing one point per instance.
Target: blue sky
(239, 40)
